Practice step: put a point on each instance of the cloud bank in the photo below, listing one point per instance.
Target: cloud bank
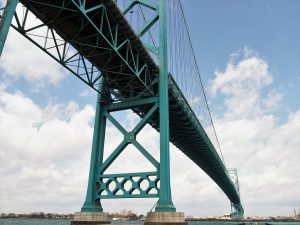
(253, 139)
(21, 59)
(45, 150)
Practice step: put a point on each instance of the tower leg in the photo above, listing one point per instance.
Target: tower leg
(165, 203)
(5, 21)
(165, 212)
(92, 211)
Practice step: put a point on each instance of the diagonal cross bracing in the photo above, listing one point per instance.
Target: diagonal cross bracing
(105, 45)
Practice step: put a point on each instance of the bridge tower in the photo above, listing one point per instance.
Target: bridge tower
(158, 106)
(94, 41)
(99, 182)
(237, 211)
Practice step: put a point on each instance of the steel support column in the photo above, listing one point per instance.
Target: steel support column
(5, 21)
(92, 204)
(95, 40)
(165, 203)
(99, 184)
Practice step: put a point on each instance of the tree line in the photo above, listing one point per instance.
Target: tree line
(123, 215)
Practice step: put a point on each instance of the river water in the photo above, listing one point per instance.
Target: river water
(67, 222)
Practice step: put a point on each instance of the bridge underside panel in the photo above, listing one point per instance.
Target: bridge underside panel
(101, 33)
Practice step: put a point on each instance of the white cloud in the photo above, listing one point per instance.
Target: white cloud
(45, 151)
(242, 82)
(253, 139)
(44, 159)
(21, 59)
(196, 100)
(273, 100)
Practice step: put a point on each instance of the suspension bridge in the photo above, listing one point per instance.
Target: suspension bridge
(138, 55)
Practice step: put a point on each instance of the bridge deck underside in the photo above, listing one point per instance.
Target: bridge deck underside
(186, 132)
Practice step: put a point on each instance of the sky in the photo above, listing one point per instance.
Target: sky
(249, 58)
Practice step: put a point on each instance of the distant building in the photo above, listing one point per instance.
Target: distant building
(225, 217)
(297, 213)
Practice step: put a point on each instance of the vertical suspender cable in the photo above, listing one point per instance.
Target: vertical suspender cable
(198, 71)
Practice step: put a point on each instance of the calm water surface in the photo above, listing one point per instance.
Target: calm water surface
(67, 222)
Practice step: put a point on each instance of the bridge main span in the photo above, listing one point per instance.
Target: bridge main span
(131, 66)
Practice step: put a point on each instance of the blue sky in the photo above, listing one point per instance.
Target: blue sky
(271, 28)
(249, 58)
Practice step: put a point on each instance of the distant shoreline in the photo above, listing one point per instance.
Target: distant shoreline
(247, 220)
(190, 220)
(32, 218)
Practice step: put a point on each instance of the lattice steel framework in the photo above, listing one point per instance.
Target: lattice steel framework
(237, 211)
(95, 42)
(99, 51)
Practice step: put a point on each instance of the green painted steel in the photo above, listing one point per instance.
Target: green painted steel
(145, 3)
(109, 56)
(237, 211)
(104, 181)
(5, 21)
(92, 204)
(102, 185)
(165, 203)
(129, 104)
(128, 185)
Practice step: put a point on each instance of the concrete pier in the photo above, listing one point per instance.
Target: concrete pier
(90, 218)
(165, 218)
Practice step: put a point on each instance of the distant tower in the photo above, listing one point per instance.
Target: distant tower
(236, 210)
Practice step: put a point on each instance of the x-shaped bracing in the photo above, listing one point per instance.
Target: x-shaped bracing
(130, 138)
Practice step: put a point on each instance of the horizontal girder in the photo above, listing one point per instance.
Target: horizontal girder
(102, 36)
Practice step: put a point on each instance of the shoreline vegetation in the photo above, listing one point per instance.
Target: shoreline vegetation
(130, 215)
(123, 215)
(246, 220)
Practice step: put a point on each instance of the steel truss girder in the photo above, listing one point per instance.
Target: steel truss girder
(134, 180)
(131, 103)
(190, 113)
(145, 3)
(109, 44)
(149, 24)
(129, 60)
(58, 48)
(149, 5)
(132, 59)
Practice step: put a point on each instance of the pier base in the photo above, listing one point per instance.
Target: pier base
(165, 218)
(90, 218)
